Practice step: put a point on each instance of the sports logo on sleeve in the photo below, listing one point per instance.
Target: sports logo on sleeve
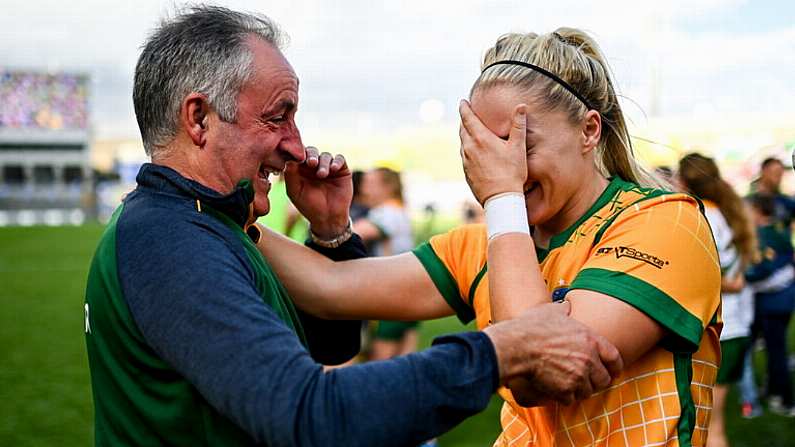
(633, 253)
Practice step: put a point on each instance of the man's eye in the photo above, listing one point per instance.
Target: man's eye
(277, 119)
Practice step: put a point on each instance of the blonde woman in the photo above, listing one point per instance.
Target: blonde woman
(545, 146)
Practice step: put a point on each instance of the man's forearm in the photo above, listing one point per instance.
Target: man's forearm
(398, 402)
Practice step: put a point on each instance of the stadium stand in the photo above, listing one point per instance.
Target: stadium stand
(45, 175)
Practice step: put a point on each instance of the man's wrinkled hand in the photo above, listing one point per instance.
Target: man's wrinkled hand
(321, 189)
(545, 355)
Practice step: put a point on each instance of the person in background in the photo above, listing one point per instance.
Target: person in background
(359, 208)
(773, 279)
(750, 407)
(387, 229)
(665, 173)
(473, 213)
(771, 173)
(769, 183)
(734, 236)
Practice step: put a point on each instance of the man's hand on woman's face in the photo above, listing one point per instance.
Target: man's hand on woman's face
(492, 165)
(321, 189)
(545, 355)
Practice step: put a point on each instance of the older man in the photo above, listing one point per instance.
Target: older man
(191, 338)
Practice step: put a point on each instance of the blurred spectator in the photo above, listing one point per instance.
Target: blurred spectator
(733, 232)
(749, 396)
(665, 173)
(387, 228)
(773, 279)
(358, 207)
(769, 183)
(46, 101)
(387, 224)
(473, 213)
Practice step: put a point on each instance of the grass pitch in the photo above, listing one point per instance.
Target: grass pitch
(45, 396)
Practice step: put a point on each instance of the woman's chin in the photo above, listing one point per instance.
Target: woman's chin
(535, 209)
(534, 217)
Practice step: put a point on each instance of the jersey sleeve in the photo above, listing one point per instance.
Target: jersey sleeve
(453, 260)
(659, 256)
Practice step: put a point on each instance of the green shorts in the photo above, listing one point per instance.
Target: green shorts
(393, 330)
(732, 359)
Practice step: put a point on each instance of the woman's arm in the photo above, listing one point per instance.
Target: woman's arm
(735, 284)
(515, 281)
(633, 332)
(387, 288)
(515, 284)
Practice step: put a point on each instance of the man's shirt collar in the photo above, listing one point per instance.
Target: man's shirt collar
(237, 205)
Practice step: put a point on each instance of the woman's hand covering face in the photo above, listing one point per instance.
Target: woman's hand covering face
(493, 165)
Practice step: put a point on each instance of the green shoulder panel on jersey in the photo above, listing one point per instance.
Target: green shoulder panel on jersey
(127, 409)
(444, 281)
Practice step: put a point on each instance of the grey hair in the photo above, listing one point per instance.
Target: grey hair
(201, 49)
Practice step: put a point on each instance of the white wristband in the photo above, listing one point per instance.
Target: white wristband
(506, 213)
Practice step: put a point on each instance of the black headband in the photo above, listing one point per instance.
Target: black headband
(546, 73)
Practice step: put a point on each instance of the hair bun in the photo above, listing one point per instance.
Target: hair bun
(581, 40)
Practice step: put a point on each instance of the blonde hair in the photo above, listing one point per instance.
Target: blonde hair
(574, 57)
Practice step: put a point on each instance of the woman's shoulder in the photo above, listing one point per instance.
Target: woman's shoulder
(469, 241)
(469, 234)
(659, 212)
(639, 199)
(631, 200)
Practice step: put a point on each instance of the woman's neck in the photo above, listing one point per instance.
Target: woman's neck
(578, 204)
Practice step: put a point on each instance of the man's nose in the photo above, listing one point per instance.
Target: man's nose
(291, 144)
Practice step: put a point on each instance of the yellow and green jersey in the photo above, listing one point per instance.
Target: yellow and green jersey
(649, 248)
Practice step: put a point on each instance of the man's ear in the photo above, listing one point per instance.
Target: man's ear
(591, 130)
(194, 115)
